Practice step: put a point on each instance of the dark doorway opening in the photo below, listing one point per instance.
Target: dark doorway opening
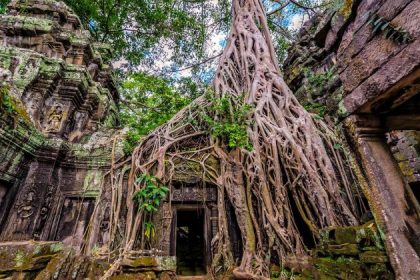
(303, 228)
(190, 242)
(415, 188)
(6, 196)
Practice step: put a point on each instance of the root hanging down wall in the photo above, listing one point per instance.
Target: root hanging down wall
(284, 189)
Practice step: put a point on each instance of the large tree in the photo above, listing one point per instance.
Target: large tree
(275, 163)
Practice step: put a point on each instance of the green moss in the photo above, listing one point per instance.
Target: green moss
(342, 249)
(143, 262)
(56, 247)
(346, 8)
(342, 268)
(20, 259)
(373, 257)
(28, 23)
(11, 106)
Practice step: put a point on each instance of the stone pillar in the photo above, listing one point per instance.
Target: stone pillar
(166, 234)
(385, 192)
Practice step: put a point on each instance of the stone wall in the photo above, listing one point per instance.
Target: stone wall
(59, 122)
(40, 260)
(358, 66)
(342, 62)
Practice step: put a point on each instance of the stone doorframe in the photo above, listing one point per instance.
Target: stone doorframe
(386, 187)
(207, 231)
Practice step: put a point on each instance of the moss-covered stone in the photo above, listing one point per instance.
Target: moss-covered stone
(346, 249)
(34, 24)
(141, 262)
(166, 263)
(26, 255)
(373, 257)
(342, 268)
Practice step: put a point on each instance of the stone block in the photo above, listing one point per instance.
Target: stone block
(140, 262)
(342, 249)
(373, 257)
(166, 263)
(341, 268)
(27, 255)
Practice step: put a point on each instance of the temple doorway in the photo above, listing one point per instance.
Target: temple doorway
(190, 242)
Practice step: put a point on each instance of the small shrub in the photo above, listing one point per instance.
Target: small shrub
(151, 194)
(317, 81)
(232, 120)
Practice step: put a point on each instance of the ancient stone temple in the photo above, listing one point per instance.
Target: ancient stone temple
(357, 66)
(56, 146)
(59, 121)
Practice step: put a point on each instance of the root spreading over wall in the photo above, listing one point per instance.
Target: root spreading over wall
(292, 171)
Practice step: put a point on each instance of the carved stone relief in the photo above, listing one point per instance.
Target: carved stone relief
(54, 119)
(45, 211)
(194, 193)
(25, 209)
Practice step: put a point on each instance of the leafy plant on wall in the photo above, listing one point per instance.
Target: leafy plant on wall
(148, 199)
(381, 25)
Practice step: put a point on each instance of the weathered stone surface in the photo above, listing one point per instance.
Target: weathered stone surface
(373, 257)
(57, 142)
(27, 255)
(339, 269)
(378, 80)
(344, 253)
(342, 249)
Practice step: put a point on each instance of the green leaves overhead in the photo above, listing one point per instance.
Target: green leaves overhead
(149, 101)
(141, 30)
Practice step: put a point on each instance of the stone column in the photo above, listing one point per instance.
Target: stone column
(385, 192)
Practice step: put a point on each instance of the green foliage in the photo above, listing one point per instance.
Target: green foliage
(2, 7)
(149, 230)
(141, 30)
(56, 247)
(148, 102)
(317, 81)
(228, 119)
(7, 104)
(282, 46)
(315, 108)
(150, 195)
(380, 24)
(95, 250)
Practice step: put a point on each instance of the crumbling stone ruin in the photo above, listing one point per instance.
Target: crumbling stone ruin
(60, 134)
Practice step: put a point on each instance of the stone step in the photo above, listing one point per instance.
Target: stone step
(196, 277)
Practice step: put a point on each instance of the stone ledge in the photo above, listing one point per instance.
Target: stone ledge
(27, 255)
